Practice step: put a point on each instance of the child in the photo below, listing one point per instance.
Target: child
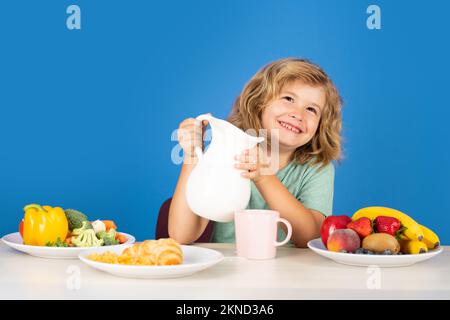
(297, 101)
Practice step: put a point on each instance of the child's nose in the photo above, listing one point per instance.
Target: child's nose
(296, 115)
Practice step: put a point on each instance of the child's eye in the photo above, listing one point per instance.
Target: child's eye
(312, 110)
(290, 99)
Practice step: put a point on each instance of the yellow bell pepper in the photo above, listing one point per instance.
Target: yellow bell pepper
(43, 224)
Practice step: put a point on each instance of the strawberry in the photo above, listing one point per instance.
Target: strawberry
(389, 225)
(362, 226)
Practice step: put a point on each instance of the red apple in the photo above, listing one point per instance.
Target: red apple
(331, 224)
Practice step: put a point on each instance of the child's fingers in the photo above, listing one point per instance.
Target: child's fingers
(187, 121)
(251, 154)
(189, 138)
(193, 122)
(197, 127)
(249, 175)
(188, 133)
(264, 165)
(190, 126)
(206, 122)
(254, 152)
(246, 166)
(246, 158)
(191, 133)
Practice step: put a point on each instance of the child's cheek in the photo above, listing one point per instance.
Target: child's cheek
(271, 114)
(312, 130)
(266, 119)
(313, 124)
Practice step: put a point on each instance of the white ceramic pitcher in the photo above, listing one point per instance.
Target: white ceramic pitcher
(215, 188)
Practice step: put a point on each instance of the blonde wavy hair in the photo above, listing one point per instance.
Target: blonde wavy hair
(266, 85)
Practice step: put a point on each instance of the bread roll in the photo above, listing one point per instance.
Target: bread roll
(160, 252)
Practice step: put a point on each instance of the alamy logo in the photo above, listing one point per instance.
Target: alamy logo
(73, 281)
(374, 20)
(73, 21)
(374, 279)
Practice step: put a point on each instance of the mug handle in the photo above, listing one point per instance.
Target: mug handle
(198, 150)
(289, 234)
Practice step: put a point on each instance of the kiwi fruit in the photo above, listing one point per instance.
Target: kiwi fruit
(379, 242)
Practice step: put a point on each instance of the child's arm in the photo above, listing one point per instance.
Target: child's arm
(306, 223)
(184, 225)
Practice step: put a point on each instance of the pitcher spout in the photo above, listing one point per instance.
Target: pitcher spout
(256, 140)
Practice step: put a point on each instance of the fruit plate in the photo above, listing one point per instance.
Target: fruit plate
(195, 259)
(364, 260)
(14, 240)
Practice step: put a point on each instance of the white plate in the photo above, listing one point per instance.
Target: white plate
(14, 240)
(364, 260)
(195, 259)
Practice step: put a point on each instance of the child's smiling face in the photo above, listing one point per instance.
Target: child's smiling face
(296, 113)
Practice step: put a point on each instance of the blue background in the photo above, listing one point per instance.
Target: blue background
(87, 115)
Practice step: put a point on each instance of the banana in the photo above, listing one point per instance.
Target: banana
(413, 246)
(430, 238)
(413, 230)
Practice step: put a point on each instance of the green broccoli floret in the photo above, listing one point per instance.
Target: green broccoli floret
(86, 225)
(87, 238)
(57, 243)
(109, 238)
(75, 218)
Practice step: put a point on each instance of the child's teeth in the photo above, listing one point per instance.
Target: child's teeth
(287, 126)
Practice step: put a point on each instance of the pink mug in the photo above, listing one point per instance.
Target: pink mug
(256, 233)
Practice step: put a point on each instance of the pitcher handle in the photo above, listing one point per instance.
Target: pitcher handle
(203, 117)
(198, 150)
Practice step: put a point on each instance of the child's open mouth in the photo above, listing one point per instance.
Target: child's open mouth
(290, 127)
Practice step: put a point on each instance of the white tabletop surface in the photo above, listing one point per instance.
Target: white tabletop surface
(294, 274)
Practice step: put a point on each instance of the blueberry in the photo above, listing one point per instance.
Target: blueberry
(369, 252)
(359, 251)
(387, 252)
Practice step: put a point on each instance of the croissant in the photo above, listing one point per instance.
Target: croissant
(160, 252)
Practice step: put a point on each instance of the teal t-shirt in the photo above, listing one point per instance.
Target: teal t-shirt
(312, 186)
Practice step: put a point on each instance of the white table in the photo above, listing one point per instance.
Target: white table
(294, 274)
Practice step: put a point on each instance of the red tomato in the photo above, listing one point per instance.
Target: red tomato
(21, 228)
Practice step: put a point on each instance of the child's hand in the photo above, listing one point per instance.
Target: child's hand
(251, 161)
(190, 135)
